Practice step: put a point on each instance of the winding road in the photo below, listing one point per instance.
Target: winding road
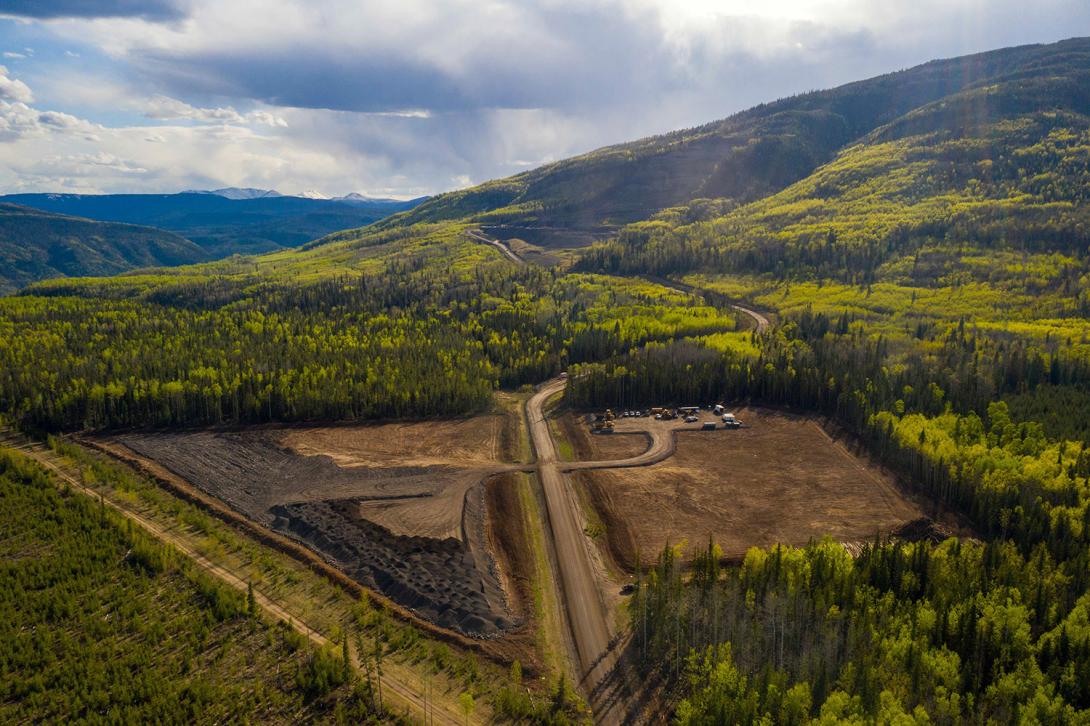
(760, 320)
(478, 236)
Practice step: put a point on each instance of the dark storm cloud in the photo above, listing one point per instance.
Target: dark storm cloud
(46, 9)
(548, 59)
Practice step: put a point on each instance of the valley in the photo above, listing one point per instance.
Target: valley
(429, 444)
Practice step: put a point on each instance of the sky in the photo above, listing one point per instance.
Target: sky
(402, 98)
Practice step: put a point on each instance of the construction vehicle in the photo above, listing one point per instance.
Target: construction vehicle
(603, 423)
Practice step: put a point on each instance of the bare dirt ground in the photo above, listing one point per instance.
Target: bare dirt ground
(398, 507)
(780, 479)
(468, 441)
(608, 446)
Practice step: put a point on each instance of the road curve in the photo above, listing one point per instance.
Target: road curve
(586, 613)
(663, 444)
(760, 320)
(478, 236)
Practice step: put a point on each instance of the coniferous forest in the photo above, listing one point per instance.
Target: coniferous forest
(103, 624)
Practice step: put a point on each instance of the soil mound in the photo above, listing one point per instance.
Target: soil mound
(436, 578)
(923, 529)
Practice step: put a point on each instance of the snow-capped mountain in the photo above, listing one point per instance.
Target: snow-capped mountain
(238, 192)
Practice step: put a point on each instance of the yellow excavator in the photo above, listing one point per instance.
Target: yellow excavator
(605, 424)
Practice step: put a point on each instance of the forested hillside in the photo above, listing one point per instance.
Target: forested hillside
(36, 245)
(930, 283)
(415, 323)
(739, 159)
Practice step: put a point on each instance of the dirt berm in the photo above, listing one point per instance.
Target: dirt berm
(436, 578)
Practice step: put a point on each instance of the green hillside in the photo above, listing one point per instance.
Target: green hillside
(741, 158)
(1001, 166)
(36, 245)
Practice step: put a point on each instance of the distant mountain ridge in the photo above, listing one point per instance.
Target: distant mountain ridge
(36, 245)
(252, 193)
(237, 192)
(225, 221)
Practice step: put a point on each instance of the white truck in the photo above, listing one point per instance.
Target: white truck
(731, 422)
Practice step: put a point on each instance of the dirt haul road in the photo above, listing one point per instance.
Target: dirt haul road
(477, 236)
(759, 320)
(586, 613)
(663, 445)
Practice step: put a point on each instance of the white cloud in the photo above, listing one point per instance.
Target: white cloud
(266, 118)
(163, 108)
(90, 164)
(17, 120)
(12, 89)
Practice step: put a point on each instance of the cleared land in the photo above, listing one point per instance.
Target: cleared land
(400, 508)
(613, 446)
(781, 479)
